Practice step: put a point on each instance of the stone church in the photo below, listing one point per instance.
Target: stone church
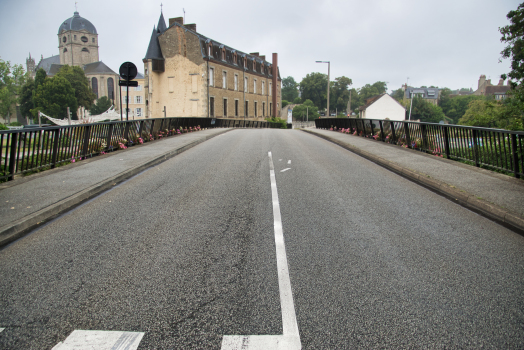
(78, 46)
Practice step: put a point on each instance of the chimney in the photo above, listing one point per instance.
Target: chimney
(191, 26)
(254, 54)
(179, 20)
(275, 82)
(263, 57)
(501, 82)
(482, 80)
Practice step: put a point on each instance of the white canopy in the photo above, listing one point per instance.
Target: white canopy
(110, 114)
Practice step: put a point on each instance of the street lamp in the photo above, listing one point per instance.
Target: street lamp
(327, 85)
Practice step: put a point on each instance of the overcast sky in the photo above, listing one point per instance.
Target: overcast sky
(442, 42)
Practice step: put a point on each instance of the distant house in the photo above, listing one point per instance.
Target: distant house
(431, 95)
(382, 107)
(485, 88)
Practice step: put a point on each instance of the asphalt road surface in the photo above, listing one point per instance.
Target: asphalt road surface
(187, 252)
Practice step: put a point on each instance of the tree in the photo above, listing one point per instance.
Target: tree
(26, 98)
(297, 101)
(289, 89)
(284, 103)
(482, 113)
(102, 105)
(306, 109)
(54, 96)
(11, 80)
(398, 94)
(513, 35)
(454, 108)
(76, 77)
(40, 77)
(314, 88)
(424, 111)
(339, 93)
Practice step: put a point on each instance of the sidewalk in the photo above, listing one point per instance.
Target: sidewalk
(497, 196)
(28, 202)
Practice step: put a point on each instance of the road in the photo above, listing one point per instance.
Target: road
(186, 253)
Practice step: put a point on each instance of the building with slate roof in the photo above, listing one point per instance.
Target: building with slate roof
(431, 95)
(192, 75)
(78, 46)
(485, 88)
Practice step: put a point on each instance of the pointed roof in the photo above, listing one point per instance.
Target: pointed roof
(153, 50)
(97, 68)
(161, 27)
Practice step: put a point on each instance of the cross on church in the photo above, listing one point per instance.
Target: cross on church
(161, 7)
(76, 7)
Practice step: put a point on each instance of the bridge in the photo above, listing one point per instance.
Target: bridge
(235, 238)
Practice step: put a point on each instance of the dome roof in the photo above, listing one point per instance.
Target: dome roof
(77, 23)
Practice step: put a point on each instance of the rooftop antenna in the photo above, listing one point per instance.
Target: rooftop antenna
(184, 15)
(76, 7)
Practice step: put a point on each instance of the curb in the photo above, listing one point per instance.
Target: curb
(23, 226)
(492, 211)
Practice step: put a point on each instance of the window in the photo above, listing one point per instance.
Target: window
(64, 39)
(74, 37)
(270, 88)
(236, 108)
(270, 109)
(94, 86)
(138, 99)
(211, 106)
(65, 49)
(211, 77)
(255, 86)
(124, 99)
(263, 108)
(93, 40)
(236, 82)
(224, 80)
(225, 107)
(84, 39)
(245, 85)
(124, 88)
(256, 115)
(246, 109)
(85, 49)
(138, 88)
(263, 87)
(209, 50)
(138, 112)
(110, 88)
(171, 84)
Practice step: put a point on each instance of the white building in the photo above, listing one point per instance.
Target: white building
(382, 107)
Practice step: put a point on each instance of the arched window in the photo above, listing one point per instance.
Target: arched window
(94, 86)
(110, 89)
(85, 49)
(65, 49)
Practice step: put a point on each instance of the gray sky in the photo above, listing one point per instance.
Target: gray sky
(443, 43)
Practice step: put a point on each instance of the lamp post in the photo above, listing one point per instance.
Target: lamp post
(327, 85)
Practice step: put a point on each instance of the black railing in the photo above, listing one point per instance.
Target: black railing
(490, 148)
(29, 150)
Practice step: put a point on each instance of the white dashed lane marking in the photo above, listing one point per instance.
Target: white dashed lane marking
(100, 340)
(286, 169)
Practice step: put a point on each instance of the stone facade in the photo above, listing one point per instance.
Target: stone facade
(193, 76)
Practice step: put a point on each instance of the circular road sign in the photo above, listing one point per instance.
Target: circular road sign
(128, 71)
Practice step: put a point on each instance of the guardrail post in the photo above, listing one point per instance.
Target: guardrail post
(86, 140)
(382, 138)
(109, 136)
(446, 142)
(475, 149)
(141, 128)
(406, 131)
(515, 155)
(393, 136)
(152, 126)
(55, 148)
(12, 157)
(425, 143)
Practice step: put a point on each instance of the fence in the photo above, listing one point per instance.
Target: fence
(491, 148)
(28, 150)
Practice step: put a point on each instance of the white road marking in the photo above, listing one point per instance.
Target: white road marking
(290, 340)
(286, 169)
(289, 161)
(100, 340)
(279, 159)
(1, 329)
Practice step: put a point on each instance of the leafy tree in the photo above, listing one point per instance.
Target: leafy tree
(398, 94)
(40, 77)
(102, 105)
(481, 113)
(358, 97)
(289, 89)
(26, 98)
(284, 103)
(339, 93)
(454, 108)
(424, 111)
(54, 96)
(513, 35)
(314, 88)
(76, 77)
(11, 80)
(306, 110)
(297, 101)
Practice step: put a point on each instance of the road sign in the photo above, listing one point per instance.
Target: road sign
(128, 71)
(127, 83)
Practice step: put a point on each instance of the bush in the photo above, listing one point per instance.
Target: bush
(3, 127)
(15, 124)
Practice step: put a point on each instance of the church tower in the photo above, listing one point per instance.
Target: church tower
(77, 41)
(30, 65)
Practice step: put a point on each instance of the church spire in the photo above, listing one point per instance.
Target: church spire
(153, 50)
(161, 27)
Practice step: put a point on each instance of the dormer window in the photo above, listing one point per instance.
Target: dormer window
(223, 54)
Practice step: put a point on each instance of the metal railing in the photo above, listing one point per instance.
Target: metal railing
(33, 149)
(491, 148)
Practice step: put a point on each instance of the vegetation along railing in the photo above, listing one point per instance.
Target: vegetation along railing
(496, 149)
(33, 149)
